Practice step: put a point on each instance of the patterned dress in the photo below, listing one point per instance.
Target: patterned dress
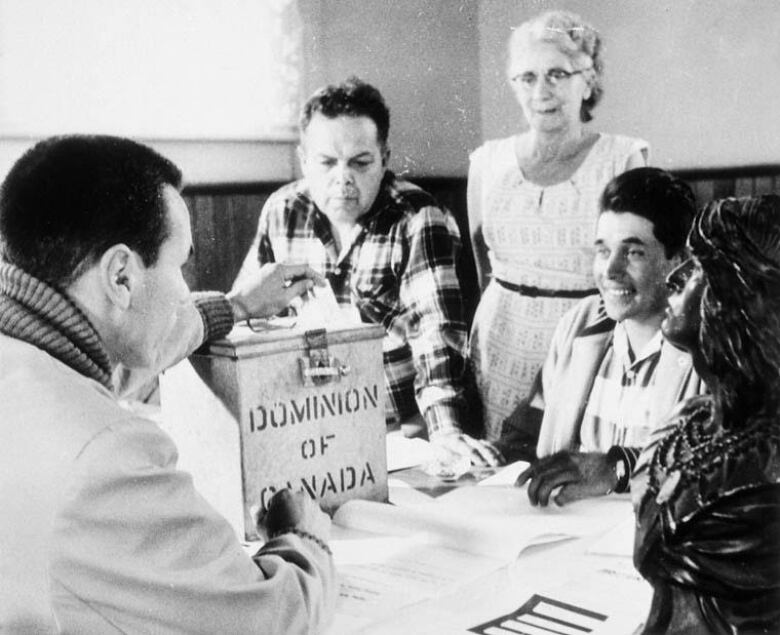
(539, 236)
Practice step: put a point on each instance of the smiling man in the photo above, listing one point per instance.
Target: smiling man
(610, 377)
(388, 250)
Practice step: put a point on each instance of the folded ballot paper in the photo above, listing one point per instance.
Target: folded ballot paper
(318, 308)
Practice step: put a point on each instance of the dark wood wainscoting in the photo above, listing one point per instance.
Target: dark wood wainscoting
(224, 218)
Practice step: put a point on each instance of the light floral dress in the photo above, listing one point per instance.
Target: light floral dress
(538, 236)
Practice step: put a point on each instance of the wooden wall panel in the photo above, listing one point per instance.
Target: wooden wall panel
(224, 222)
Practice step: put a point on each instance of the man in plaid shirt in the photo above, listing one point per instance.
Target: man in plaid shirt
(387, 249)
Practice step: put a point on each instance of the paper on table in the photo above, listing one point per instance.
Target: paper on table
(382, 573)
(401, 493)
(601, 602)
(618, 541)
(506, 475)
(537, 524)
(403, 452)
(556, 573)
(389, 557)
(499, 535)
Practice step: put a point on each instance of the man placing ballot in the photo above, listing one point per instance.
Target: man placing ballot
(610, 378)
(387, 248)
(99, 531)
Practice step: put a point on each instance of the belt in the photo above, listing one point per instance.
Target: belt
(536, 292)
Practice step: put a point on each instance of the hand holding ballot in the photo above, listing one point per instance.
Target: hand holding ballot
(578, 475)
(266, 291)
(318, 308)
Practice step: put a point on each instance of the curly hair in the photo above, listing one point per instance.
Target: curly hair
(737, 243)
(576, 39)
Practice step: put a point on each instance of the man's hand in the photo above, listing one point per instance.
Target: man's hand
(295, 510)
(577, 474)
(271, 289)
(480, 452)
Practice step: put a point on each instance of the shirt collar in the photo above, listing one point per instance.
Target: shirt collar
(622, 347)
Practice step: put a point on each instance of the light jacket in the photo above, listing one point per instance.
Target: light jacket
(101, 533)
(581, 339)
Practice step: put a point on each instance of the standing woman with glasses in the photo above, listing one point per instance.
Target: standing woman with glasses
(533, 203)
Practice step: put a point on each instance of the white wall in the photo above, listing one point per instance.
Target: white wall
(699, 79)
(212, 84)
(422, 55)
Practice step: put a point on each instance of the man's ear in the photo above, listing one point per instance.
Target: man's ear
(120, 274)
(385, 156)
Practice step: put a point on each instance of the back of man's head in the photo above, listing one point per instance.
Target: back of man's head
(352, 98)
(68, 199)
(658, 196)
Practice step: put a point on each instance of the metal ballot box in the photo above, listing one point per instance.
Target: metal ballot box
(279, 407)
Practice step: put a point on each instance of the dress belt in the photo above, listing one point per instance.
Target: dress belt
(536, 292)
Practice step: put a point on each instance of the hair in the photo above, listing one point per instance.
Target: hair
(574, 38)
(69, 199)
(352, 98)
(737, 243)
(658, 196)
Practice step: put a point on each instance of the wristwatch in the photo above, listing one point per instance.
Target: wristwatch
(620, 464)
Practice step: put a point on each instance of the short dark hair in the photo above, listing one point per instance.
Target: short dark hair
(660, 197)
(69, 199)
(353, 98)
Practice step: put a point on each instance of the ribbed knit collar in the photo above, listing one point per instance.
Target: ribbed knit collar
(34, 312)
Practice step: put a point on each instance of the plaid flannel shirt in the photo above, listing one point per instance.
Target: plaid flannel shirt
(398, 271)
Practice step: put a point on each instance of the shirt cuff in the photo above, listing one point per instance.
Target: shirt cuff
(216, 313)
(442, 418)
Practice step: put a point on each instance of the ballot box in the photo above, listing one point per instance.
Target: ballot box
(277, 406)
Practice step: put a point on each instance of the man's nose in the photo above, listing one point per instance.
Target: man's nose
(343, 174)
(616, 265)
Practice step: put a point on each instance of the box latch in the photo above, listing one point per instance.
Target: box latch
(319, 366)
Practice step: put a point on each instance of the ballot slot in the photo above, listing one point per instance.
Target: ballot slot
(275, 406)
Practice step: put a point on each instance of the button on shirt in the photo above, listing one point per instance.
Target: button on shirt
(397, 270)
(620, 403)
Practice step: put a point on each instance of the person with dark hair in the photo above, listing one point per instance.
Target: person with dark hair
(100, 532)
(609, 377)
(533, 201)
(706, 490)
(388, 249)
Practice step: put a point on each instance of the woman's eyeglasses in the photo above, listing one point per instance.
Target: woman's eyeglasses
(553, 77)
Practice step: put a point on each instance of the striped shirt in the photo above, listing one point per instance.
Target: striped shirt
(398, 271)
(618, 412)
